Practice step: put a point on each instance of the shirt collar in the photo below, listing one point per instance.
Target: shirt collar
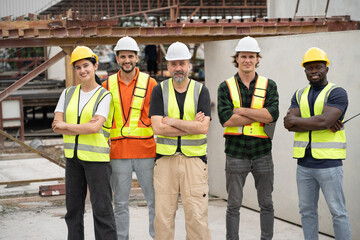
(237, 77)
(133, 80)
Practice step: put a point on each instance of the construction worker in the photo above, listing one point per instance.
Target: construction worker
(84, 116)
(132, 141)
(246, 102)
(180, 115)
(315, 115)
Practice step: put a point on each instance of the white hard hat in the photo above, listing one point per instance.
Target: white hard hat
(247, 44)
(178, 51)
(126, 44)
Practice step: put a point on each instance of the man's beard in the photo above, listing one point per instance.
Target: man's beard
(179, 79)
(318, 83)
(127, 71)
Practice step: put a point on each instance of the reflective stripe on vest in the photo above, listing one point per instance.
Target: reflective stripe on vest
(191, 145)
(89, 147)
(324, 143)
(255, 129)
(130, 127)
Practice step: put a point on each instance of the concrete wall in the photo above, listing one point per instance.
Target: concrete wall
(282, 56)
(286, 8)
(57, 70)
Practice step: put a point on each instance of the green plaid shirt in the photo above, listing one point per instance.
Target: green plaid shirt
(242, 146)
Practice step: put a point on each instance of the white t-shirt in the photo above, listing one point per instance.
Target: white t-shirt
(102, 110)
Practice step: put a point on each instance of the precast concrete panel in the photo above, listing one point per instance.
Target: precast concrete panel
(281, 61)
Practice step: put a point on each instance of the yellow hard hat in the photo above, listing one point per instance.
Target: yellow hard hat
(315, 54)
(82, 52)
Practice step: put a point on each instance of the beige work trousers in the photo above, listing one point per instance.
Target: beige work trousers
(189, 176)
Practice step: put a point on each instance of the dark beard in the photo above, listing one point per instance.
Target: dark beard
(128, 71)
(318, 83)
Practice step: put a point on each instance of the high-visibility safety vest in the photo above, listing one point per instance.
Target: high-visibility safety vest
(191, 145)
(87, 147)
(129, 127)
(324, 143)
(255, 129)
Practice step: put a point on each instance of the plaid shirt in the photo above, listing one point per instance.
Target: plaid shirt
(242, 146)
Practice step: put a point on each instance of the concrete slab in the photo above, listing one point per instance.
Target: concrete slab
(45, 221)
(27, 169)
(43, 217)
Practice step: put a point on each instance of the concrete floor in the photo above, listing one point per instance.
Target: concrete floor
(43, 217)
(44, 220)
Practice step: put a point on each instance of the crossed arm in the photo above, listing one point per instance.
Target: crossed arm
(327, 120)
(93, 126)
(173, 127)
(243, 116)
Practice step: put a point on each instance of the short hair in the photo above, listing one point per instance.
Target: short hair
(236, 56)
(117, 52)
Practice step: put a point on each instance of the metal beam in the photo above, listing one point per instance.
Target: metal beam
(28, 77)
(196, 32)
(31, 181)
(31, 148)
(146, 11)
(69, 69)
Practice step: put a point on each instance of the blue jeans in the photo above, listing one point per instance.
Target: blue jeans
(78, 175)
(122, 170)
(329, 180)
(237, 170)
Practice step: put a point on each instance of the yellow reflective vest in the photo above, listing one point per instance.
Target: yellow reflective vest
(255, 129)
(90, 147)
(324, 143)
(191, 145)
(129, 128)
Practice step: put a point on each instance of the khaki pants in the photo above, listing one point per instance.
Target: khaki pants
(189, 176)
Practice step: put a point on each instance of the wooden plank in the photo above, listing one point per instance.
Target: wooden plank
(74, 32)
(13, 33)
(31, 32)
(69, 69)
(89, 31)
(104, 31)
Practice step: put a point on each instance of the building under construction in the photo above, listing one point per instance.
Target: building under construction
(26, 39)
(284, 29)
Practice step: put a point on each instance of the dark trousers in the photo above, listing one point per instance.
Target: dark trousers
(80, 174)
(236, 172)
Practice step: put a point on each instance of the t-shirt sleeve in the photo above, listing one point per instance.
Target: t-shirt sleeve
(338, 98)
(156, 102)
(204, 104)
(294, 103)
(61, 102)
(104, 106)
